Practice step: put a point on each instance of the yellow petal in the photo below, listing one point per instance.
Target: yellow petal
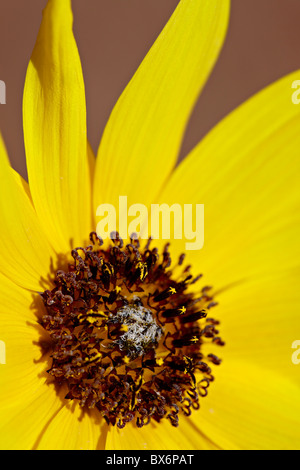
(74, 429)
(158, 436)
(54, 114)
(260, 322)
(246, 172)
(25, 253)
(141, 141)
(249, 407)
(22, 425)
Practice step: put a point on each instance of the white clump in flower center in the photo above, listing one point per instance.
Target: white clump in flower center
(142, 333)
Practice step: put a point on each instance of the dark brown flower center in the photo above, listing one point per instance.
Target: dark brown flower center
(127, 335)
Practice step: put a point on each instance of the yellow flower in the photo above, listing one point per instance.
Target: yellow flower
(245, 172)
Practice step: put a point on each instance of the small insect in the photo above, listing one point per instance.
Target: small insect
(141, 333)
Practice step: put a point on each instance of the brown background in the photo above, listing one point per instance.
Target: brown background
(263, 43)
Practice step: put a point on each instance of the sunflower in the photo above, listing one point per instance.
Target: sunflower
(115, 345)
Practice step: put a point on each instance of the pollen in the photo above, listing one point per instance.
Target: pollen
(128, 338)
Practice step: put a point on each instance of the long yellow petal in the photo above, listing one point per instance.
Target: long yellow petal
(141, 141)
(246, 172)
(249, 407)
(54, 114)
(25, 253)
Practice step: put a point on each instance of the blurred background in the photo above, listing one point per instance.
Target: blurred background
(263, 44)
